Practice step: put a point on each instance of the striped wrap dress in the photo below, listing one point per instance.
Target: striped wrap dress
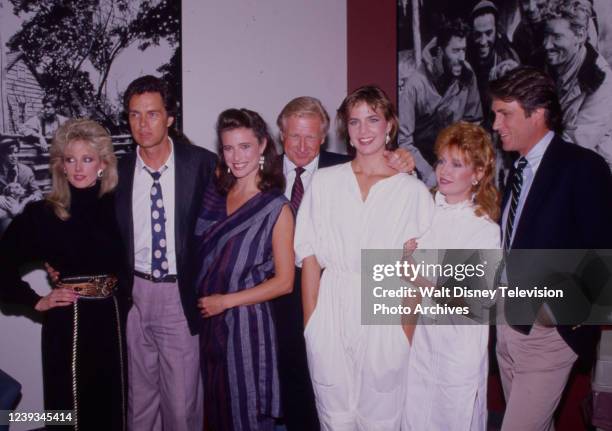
(238, 346)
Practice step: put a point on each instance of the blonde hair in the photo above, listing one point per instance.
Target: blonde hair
(474, 144)
(304, 106)
(86, 130)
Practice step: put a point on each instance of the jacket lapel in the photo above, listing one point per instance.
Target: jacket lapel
(323, 160)
(544, 179)
(184, 173)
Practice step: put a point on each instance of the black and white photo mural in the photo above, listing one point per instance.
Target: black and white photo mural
(449, 50)
(61, 59)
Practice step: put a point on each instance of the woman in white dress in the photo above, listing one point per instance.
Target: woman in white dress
(447, 376)
(358, 372)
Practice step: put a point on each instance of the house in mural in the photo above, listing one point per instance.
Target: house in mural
(22, 93)
(21, 98)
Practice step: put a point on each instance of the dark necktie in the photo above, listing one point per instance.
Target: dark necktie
(516, 183)
(297, 191)
(159, 263)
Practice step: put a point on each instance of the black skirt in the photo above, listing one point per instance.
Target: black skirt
(83, 350)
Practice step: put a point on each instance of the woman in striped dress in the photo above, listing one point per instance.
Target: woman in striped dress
(245, 232)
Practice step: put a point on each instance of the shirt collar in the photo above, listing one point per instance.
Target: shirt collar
(534, 156)
(289, 166)
(140, 163)
(440, 201)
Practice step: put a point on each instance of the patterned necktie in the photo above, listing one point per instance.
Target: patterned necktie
(159, 263)
(516, 183)
(297, 191)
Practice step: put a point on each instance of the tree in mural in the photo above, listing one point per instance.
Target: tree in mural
(157, 21)
(72, 45)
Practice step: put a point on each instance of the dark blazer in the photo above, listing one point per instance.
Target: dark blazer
(569, 206)
(194, 168)
(327, 159)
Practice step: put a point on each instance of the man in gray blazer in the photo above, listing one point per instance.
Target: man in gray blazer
(158, 197)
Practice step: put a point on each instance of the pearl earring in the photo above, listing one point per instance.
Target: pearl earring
(229, 171)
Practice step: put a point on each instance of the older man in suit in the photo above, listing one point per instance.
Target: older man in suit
(558, 198)
(159, 194)
(303, 125)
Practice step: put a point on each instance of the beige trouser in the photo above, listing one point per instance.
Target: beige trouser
(165, 388)
(534, 369)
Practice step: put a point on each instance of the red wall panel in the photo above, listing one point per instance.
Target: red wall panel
(371, 44)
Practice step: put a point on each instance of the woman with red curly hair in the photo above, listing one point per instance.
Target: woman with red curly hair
(448, 367)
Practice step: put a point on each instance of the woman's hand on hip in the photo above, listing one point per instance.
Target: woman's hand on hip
(60, 297)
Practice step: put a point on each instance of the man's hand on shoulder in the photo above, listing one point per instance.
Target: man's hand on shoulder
(400, 160)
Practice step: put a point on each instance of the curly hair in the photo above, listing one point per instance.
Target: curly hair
(576, 12)
(85, 130)
(474, 144)
(450, 28)
(271, 176)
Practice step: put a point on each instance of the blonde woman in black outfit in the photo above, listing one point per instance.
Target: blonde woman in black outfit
(74, 230)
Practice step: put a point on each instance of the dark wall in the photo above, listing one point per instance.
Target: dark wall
(371, 45)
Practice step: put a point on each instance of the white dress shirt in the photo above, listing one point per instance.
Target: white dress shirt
(141, 212)
(289, 171)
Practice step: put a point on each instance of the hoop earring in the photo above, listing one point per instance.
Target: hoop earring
(100, 173)
(261, 162)
(474, 182)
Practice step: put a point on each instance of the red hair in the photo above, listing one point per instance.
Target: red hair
(474, 144)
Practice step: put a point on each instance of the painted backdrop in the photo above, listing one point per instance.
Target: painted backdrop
(61, 59)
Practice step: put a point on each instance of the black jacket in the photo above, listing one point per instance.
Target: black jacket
(194, 168)
(569, 206)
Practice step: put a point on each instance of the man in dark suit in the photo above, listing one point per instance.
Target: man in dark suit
(303, 125)
(559, 197)
(158, 196)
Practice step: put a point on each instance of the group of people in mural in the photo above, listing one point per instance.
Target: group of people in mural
(18, 182)
(222, 292)
(558, 36)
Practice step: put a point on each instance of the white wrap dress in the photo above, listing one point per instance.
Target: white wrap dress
(358, 372)
(447, 374)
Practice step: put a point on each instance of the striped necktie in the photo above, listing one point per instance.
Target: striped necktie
(516, 185)
(297, 191)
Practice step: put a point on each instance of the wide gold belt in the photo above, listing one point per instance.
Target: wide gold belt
(91, 286)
